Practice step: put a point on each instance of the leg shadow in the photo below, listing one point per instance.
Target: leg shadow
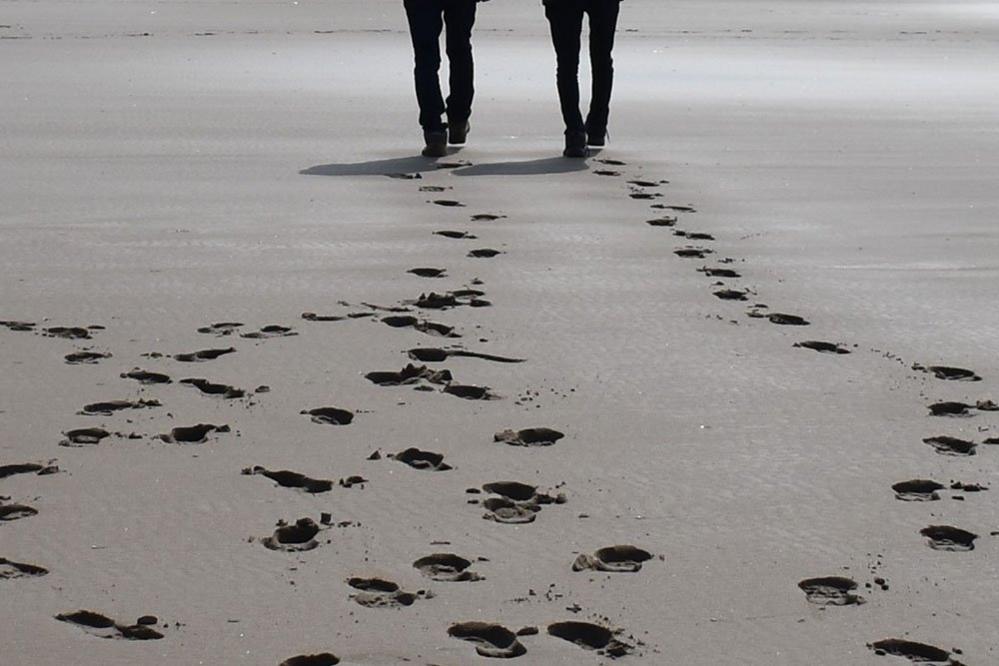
(547, 165)
(396, 166)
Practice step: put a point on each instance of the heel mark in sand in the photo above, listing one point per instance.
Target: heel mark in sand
(613, 559)
(490, 640)
(330, 416)
(10, 569)
(446, 567)
(296, 538)
(591, 637)
(951, 446)
(289, 479)
(950, 539)
(529, 437)
(917, 490)
(830, 591)
(321, 659)
(916, 652)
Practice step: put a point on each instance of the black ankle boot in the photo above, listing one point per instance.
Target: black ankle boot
(458, 132)
(575, 144)
(436, 141)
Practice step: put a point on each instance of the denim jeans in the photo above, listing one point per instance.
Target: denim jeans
(427, 19)
(566, 20)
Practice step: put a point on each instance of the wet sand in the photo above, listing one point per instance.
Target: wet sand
(833, 162)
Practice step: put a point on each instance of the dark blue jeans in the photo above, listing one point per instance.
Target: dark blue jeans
(566, 20)
(427, 19)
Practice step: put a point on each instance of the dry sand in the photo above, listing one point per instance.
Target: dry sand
(229, 166)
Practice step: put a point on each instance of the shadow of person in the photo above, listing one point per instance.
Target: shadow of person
(395, 166)
(547, 165)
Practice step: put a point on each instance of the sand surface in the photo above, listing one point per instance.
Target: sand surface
(165, 166)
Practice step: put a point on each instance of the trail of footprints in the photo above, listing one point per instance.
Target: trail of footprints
(503, 502)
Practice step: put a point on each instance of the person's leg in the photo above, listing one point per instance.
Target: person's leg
(566, 22)
(459, 15)
(603, 24)
(425, 26)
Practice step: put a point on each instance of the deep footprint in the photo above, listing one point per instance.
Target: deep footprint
(951, 446)
(422, 460)
(84, 437)
(196, 434)
(490, 640)
(222, 328)
(484, 253)
(423, 326)
(448, 203)
(104, 627)
(916, 652)
(270, 331)
(210, 388)
(948, 373)
(288, 479)
(917, 490)
(144, 377)
(433, 355)
(203, 355)
(487, 217)
(469, 392)
(529, 437)
(693, 252)
(662, 222)
(613, 559)
(321, 659)
(446, 567)
(428, 272)
(590, 637)
(823, 347)
(950, 539)
(111, 406)
(380, 593)
(10, 569)
(456, 235)
(11, 512)
(295, 538)
(67, 332)
(719, 272)
(515, 503)
(85, 357)
(330, 416)
(950, 408)
(411, 374)
(830, 591)
(27, 468)
(731, 295)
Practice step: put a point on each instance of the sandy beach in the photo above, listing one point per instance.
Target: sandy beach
(275, 387)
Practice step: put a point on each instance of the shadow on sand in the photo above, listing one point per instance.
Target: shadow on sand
(547, 165)
(399, 166)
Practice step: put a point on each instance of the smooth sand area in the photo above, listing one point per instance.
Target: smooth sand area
(166, 166)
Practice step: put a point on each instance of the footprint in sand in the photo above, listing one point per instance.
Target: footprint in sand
(321, 659)
(719, 272)
(731, 295)
(591, 637)
(823, 347)
(607, 172)
(678, 209)
(948, 373)
(434, 188)
(451, 299)
(203, 355)
(487, 217)
(330, 416)
(404, 176)
(210, 388)
(484, 253)
(423, 326)
(221, 328)
(915, 652)
(10, 569)
(490, 640)
(470, 392)
(70, 332)
(830, 591)
(37, 469)
(409, 375)
(196, 434)
(312, 316)
(644, 196)
(613, 559)
(455, 235)
(529, 437)
(111, 406)
(84, 437)
(693, 252)
(86, 357)
(11, 512)
(662, 222)
(422, 460)
(610, 162)
(647, 183)
(144, 377)
(779, 318)
(950, 408)
(270, 331)
(18, 325)
(105, 627)
(428, 272)
(295, 538)
(917, 490)
(434, 355)
(947, 538)
(516, 503)
(448, 203)
(381, 593)
(288, 479)
(693, 235)
(447, 568)
(951, 446)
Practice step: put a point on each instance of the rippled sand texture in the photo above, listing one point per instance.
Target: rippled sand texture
(721, 394)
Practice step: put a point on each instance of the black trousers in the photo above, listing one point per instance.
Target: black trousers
(566, 20)
(427, 19)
